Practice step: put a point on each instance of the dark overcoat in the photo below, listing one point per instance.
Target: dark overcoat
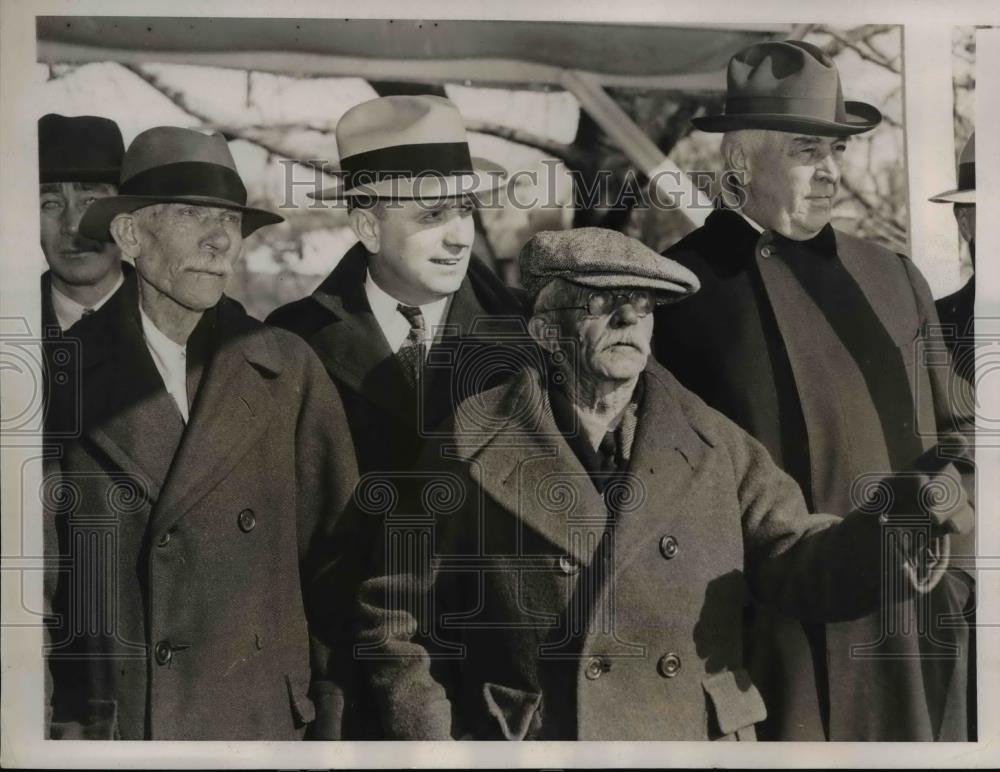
(178, 552)
(755, 346)
(546, 610)
(483, 341)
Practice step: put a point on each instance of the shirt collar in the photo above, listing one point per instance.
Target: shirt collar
(69, 312)
(383, 306)
(824, 242)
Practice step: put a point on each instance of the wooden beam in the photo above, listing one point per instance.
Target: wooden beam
(672, 184)
(498, 72)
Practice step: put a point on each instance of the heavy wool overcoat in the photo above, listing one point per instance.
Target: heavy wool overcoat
(177, 553)
(482, 341)
(759, 348)
(517, 602)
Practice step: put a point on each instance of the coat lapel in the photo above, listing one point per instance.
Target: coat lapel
(125, 408)
(232, 410)
(528, 469)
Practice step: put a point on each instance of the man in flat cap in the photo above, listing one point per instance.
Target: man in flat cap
(212, 456)
(573, 560)
(78, 159)
(407, 323)
(811, 340)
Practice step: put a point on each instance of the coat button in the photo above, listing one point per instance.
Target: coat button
(668, 547)
(765, 251)
(596, 667)
(669, 665)
(568, 566)
(163, 653)
(247, 520)
(164, 539)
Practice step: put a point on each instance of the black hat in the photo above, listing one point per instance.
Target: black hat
(86, 148)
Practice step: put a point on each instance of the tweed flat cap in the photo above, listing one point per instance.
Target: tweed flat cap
(602, 258)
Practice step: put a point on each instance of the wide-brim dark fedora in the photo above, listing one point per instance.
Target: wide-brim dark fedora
(171, 165)
(788, 86)
(82, 148)
(407, 147)
(965, 193)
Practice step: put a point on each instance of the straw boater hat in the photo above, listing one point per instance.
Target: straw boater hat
(788, 86)
(167, 165)
(85, 148)
(965, 193)
(407, 147)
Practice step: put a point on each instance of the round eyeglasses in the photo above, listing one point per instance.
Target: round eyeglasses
(601, 302)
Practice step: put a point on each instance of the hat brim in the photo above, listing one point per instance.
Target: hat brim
(96, 220)
(486, 176)
(667, 291)
(956, 196)
(108, 175)
(861, 117)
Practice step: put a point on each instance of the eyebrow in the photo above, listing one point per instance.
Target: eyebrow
(49, 188)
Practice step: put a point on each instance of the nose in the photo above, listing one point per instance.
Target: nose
(72, 213)
(460, 231)
(828, 168)
(624, 316)
(216, 238)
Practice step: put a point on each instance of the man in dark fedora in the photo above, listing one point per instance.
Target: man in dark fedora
(408, 323)
(812, 340)
(213, 453)
(573, 561)
(78, 162)
(957, 310)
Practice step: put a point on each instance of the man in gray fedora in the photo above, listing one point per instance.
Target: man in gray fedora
(812, 341)
(212, 454)
(409, 322)
(573, 560)
(957, 310)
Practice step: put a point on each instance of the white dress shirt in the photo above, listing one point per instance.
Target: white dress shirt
(171, 361)
(69, 312)
(394, 325)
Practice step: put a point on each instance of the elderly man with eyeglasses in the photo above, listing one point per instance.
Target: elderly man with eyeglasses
(573, 560)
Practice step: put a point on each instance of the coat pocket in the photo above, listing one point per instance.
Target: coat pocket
(734, 704)
(514, 712)
(303, 709)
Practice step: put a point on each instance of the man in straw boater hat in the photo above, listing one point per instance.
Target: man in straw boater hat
(957, 310)
(811, 340)
(572, 565)
(212, 452)
(408, 322)
(78, 162)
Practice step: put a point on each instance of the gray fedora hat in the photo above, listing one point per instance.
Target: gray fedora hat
(168, 164)
(408, 147)
(788, 86)
(965, 193)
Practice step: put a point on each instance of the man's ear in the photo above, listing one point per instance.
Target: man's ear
(365, 224)
(963, 214)
(544, 333)
(124, 231)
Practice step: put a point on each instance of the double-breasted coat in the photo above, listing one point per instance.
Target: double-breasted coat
(177, 553)
(517, 602)
(484, 337)
(777, 359)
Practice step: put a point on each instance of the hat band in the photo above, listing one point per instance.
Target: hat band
(822, 109)
(437, 159)
(967, 176)
(187, 178)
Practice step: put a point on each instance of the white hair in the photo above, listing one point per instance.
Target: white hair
(740, 145)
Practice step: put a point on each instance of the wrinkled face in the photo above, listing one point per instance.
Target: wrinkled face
(793, 179)
(188, 252)
(76, 260)
(422, 251)
(611, 347)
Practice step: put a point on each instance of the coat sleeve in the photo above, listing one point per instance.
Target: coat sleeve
(813, 567)
(326, 474)
(409, 665)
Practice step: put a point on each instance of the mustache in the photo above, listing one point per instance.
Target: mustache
(635, 341)
(84, 244)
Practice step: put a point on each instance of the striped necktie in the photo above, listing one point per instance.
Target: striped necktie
(411, 353)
